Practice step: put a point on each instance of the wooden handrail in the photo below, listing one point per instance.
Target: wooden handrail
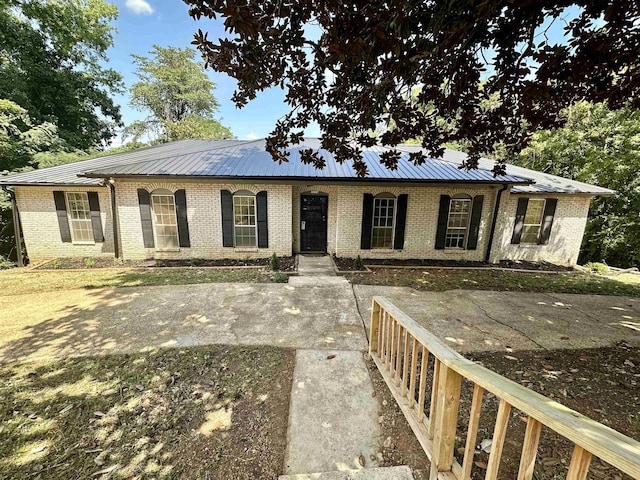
(395, 341)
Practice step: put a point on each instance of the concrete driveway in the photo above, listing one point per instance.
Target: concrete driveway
(479, 320)
(87, 322)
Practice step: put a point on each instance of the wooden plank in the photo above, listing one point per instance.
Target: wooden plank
(398, 355)
(405, 364)
(383, 333)
(472, 432)
(579, 466)
(392, 341)
(529, 449)
(449, 384)
(433, 407)
(499, 434)
(411, 394)
(374, 328)
(423, 383)
(612, 447)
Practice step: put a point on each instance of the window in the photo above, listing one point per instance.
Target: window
(79, 217)
(458, 223)
(164, 216)
(533, 220)
(244, 219)
(383, 215)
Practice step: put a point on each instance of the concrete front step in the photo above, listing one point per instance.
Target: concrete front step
(382, 473)
(315, 265)
(317, 281)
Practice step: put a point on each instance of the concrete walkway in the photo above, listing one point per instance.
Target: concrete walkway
(316, 271)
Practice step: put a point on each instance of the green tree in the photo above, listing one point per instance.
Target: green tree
(20, 139)
(349, 67)
(178, 94)
(50, 65)
(602, 147)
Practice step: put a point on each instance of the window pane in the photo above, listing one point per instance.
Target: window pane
(244, 218)
(530, 234)
(457, 223)
(382, 231)
(79, 217)
(534, 212)
(164, 212)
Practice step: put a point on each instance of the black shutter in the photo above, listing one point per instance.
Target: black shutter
(144, 200)
(261, 216)
(474, 226)
(547, 220)
(63, 220)
(96, 221)
(401, 221)
(180, 197)
(519, 225)
(443, 218)
(367, 221)
(226, 200)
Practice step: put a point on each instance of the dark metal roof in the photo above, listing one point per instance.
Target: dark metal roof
(227, 159)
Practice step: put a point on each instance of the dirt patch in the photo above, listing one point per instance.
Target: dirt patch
(347, 264)
(399, 444)
(484, 279)
(214, 412)
(287, 264)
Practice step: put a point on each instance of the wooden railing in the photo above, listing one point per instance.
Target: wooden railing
(402, 350)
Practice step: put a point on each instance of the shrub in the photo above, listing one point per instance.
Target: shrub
(89, 262)
(194, 262)
(358, 264)
(274, 263)
(597, 267)
(280, 277)
(55, 263)
(118, 262)
(5, 263)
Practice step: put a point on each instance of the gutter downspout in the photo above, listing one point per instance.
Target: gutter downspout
(493, 222)
(17, 233)
(114, 219)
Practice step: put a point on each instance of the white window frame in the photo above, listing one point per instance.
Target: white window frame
(539, 224)
(254, 226)
(156, 235)
(458, 230)
(86, 221)
(376, 199)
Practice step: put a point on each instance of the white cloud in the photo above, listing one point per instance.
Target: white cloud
(141, 7)
(251, 136)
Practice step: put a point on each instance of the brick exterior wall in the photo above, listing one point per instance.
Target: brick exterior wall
(42, 235)
(566, 232)
(40, 224)
(205, 220)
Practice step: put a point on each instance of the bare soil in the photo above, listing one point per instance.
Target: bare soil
(602, 384)
(287, 264)
(203, 413)
(348, 264)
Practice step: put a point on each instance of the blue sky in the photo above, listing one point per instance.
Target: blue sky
(143, 23)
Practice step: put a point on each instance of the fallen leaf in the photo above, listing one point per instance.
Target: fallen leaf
(106, 470)
(509, 357)
(330, 357)
(67, 408)
(481, 465)
(564, 337)
(361, 460)
(373, 394)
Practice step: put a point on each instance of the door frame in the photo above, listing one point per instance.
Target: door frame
(326, 222)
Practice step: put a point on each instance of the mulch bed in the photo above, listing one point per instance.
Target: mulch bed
(216, 412)
(347, 264)
(287, 264)
(601, 383)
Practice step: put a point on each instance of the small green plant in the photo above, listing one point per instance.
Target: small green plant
(597, 267)
(89, 262)
(386, 261)
(194, 262)
(5, 263)
(246, 258)
(274, 263)
(358, 264)
(55, 263)
(118, 262)
(279, 277)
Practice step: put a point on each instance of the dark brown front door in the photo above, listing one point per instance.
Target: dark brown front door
(313, 223)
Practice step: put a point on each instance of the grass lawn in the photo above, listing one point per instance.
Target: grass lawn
(206, 412)
(440, 280)
(18, 281)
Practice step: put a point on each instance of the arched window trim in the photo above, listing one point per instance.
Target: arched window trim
(383, 223)
(245, 219)
(165, 219)
(458, 222)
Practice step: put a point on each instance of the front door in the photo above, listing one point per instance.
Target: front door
(313, 223)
